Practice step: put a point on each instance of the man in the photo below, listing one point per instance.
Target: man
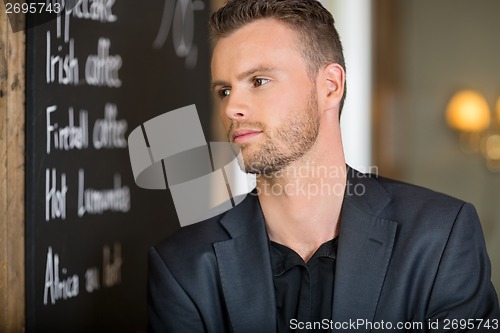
(318, 245)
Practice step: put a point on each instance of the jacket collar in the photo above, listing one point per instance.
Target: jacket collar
(364, 249)
(244, 217)
(365, 192)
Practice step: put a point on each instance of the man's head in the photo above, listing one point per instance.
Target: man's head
(273, 88)
(319, 40)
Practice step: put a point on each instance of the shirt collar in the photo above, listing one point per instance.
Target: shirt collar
(283, 258)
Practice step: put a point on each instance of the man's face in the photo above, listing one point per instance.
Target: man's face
(267, 100)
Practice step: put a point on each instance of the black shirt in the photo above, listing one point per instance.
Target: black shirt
(303, 291)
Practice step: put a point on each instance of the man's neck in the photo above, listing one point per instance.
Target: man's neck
(302, 204)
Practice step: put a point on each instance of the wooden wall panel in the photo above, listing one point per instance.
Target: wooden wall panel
(12, 115)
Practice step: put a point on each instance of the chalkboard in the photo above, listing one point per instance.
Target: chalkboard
(94, 73)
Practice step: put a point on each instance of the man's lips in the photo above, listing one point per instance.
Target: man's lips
(242, 135)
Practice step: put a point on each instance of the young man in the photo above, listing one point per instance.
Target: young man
(317, 246)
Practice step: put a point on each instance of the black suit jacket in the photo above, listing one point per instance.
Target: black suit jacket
(405, 254)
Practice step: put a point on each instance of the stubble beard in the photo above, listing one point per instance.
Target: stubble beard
(284, 145)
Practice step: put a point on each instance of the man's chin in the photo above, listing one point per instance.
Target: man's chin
(259, 167)
(248, 162)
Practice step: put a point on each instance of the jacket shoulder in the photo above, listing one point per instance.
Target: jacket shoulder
(418, 208)
(397, 200)
(192, 240)
(420, 197)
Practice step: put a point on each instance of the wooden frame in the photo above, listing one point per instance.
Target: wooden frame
(12, 161)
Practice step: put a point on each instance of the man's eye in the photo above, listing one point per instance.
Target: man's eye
(224, 93)
(257, 82)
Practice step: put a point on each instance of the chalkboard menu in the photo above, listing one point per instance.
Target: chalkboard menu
(96, 71)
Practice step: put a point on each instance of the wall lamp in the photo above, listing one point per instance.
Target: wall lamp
(469, 114)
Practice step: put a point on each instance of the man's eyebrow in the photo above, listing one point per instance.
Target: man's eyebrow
(241, 76)
(250, 72)
(219, 83)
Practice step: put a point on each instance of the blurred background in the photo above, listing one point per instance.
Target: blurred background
(432, 97)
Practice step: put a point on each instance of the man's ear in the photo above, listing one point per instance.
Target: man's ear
(331, 86)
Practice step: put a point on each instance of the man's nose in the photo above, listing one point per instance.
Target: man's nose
(237, 107)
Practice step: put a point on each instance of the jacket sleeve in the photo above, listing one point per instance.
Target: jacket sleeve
(170, 309)
(463, 298)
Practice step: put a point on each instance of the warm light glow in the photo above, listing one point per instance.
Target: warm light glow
(498, 111)
(493, 147)
(468, 112)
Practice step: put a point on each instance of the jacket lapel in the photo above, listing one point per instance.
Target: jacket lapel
(245, 269)
(364, 250)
